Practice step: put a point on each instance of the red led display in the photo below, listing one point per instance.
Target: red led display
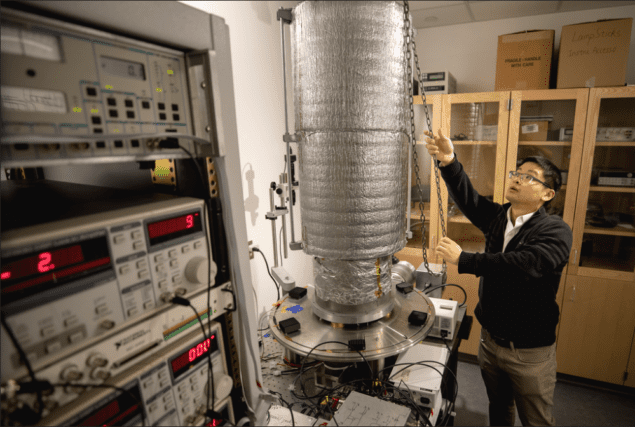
(57, 275)
(191, 357)
(30, 273)
(43, 263)
(172, 225)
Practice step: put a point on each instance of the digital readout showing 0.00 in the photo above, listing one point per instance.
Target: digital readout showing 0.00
(29, 274)
(186, 360)
(172, 228)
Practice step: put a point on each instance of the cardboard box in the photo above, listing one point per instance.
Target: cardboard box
(594, 54)
(533, 131)
(523, 60)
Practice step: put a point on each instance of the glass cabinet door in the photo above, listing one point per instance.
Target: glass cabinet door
(604, 241)
(477, 124)
(550, 124)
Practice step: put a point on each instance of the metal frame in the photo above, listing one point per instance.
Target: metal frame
(206, 40)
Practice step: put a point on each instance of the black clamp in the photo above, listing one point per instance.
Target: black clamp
(285, 14)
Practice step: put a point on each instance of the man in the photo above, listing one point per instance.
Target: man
(525, 253)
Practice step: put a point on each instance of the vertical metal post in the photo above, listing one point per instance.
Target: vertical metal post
(283, 180)
(287, 138)
(273, 227)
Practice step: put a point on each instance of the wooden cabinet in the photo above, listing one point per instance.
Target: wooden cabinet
(630, 377)
(586, 139)
(604, 227)
(596, 328)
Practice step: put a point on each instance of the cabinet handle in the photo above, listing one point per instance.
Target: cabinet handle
(575, 256)
(573, 294)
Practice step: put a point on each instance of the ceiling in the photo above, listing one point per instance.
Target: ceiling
(428, 14)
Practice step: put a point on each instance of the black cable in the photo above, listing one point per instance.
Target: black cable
(143, 418)
(186, 302)
(29, 368)
(207, 200)
(268, 272)
(446, 343)
(448, 284)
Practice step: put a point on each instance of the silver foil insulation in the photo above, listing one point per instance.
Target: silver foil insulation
(351, 105)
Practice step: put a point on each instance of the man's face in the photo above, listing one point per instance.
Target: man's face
(519, 191)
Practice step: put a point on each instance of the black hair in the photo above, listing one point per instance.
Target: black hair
(553, 177)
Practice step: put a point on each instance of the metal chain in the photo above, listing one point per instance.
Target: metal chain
(410, 49)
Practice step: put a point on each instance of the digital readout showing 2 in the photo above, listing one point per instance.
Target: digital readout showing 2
(36, 272)
(173, 228)
(186, 360)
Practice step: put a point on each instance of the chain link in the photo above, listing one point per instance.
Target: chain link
(411, 49)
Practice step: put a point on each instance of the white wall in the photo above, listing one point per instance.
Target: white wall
(468, 51)
(258, 87)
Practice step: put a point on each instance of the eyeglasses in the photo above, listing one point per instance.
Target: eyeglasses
(525, 178)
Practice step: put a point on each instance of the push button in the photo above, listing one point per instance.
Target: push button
(47, 332)
(77, 336)
(137, 245)
(161, 268)
(101, 309)
(147, 306)
(172, 253)
(136, 234)
(144, 274)
(148, 384)
(174, 263)
(132, 312)
(159, 258)
(185, 249)
(142, 263)
(177, 279)
(53, 347)
(119, 239)
(163, 284)
(125, 269)
(70, 321)
(197, 245)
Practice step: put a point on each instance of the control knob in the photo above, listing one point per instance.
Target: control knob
(71, 373)
(196, 270)
(223, 385)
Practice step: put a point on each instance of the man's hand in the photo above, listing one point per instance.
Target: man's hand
(441, 146)
(449, 250)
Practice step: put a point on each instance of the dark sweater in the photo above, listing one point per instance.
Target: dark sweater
(518, 287)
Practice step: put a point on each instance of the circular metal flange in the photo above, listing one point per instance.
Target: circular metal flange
(353, 314)
(384, 338)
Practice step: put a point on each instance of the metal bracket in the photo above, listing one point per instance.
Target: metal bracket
(290, 138)
(276, 213)
(205, 93)
(295, 246)
(285, 14)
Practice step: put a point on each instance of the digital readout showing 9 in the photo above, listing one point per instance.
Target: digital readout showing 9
(173, 228)
(182, 363)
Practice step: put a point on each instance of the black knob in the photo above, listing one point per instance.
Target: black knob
(279, 191)
(273, 185)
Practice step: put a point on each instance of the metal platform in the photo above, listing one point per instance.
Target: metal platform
(384, 338)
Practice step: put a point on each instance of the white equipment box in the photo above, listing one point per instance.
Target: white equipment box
(422, 381)
(447, 314)
(441, 82)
